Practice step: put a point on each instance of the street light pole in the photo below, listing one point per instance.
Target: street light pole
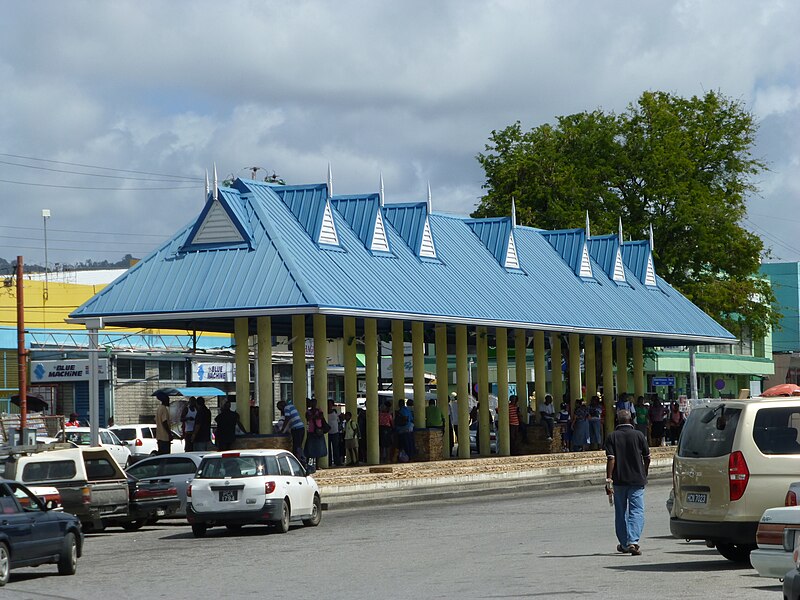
(45, 216)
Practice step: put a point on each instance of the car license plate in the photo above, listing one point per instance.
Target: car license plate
(697, 498)
(228, 495)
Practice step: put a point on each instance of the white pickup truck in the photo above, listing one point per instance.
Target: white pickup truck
(776, 531)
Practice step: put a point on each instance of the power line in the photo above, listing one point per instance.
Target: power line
(78, 231)
(112, 189)
(5, 162)
(62, 162)
(111, 242)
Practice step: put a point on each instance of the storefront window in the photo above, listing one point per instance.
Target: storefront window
(128, 368)
(170, 370)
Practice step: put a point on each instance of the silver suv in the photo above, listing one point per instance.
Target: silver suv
(735, 459)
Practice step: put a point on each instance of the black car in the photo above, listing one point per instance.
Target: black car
(149, 501)
(31, 534)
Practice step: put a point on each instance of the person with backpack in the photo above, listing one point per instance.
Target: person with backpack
(351, 437)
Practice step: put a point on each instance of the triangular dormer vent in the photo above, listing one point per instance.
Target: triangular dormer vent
(619, 270)
(217, 227)
(426, 247)
(379, 241)
(650, 274)
(511, 262)
(586, 265)
(327, 231)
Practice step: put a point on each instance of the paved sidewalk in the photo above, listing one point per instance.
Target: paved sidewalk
(399, 483)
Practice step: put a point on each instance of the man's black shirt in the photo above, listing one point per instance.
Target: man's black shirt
(629, 447)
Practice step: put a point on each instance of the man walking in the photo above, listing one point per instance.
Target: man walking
(163, 430)
(626, 475)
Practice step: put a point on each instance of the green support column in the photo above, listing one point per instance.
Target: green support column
(240, 335)
(608, 382)
(418, 372)
(266, 395)
(462, 386)
(575, 390)
(442, 388)
(622, 365)
(299, 391)
(503, 438)
(484, 428)
(539, 369)
(555, 370)
(321, 372)
(520, 369)
(398, 364)
(590, 364)
(350, 371)
(638, 367)
(371, 360)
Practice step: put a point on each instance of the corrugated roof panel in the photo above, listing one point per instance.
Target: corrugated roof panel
(307, 203)
(360, 213)
(636, 256)
(286, 268)
(495, 234)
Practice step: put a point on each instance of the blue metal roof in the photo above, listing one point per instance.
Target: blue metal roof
(603, 250)
(408, 220)
(494, 233)
(635, 255)
(569, 245)
(286, 271)
(359, 212)
(307, 203)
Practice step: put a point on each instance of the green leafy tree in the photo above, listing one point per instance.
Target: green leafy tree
(683, 165)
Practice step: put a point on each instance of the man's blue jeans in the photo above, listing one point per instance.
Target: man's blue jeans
(628, 513)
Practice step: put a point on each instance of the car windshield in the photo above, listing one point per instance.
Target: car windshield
(709, 432)
(221, 467)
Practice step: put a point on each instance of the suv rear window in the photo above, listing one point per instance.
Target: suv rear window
(775, 430)
(705, 440)
(99, 468)
(126, 434)
(220, 467)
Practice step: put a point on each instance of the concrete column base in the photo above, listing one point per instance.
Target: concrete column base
(429, 444)
(538, 443)
(275, 441)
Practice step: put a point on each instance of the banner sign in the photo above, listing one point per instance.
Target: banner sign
(213, 371)
(66, 370)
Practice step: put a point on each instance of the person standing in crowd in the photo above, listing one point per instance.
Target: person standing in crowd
(675, 423)
(580, 426)
(385, 424)
(361, 421)
(163, 431)
(227, 420)
(595, 425)
(188, 419)
(656, 422)
(202, 427)
(315, 440)
(452, 409)
(334, 438)
(547, 412)
(73, 421)
(513, 424)
(564, 420)
(433, 415)
(294, 424)
(404, 423)
(627, 466)
(641, 416)
(351, 437)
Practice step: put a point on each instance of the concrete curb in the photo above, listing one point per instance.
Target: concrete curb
(474, 484)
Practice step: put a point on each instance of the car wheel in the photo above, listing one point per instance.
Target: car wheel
(68, 561)
(134, 525)
(282, 524)
(199, 529)
(738, 553)
(234, 528)
(5, 564)
(316, 513)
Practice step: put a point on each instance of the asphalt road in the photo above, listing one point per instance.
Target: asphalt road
(511, 546)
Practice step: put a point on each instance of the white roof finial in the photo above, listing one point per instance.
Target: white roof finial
(215, 181)
(381, 193)
(621, 240)
(588, 231)
(207, 186)
(651, 237)
(430, 203)
(513, 213)
(330, 181)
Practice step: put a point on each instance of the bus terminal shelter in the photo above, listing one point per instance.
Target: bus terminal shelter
(263, 260)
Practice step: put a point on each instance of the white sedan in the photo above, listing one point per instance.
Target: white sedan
(773, 557)
(141, 439)
(249, 487)
(81, 436)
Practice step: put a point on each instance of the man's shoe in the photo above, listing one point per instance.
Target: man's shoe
(635, 550)
(621, 549)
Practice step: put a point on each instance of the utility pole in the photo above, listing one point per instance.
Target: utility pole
(22, 357)
(45, 216)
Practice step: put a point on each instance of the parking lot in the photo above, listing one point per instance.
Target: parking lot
(509, 546)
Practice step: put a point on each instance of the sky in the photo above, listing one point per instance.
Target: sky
(111, 112)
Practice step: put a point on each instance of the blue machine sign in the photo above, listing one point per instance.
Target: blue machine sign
(663, 381)
(66, 370)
